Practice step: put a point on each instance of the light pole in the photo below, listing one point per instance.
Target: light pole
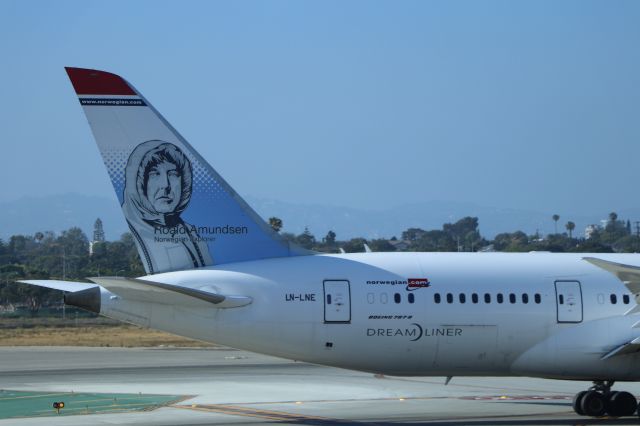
(64, 278)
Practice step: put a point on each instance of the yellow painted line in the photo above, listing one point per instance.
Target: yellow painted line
(280, 413)
(230, 413)
(252, 412)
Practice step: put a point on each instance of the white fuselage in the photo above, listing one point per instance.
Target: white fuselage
(557, 318)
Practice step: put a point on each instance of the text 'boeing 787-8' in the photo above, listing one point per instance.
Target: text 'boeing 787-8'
(217, 272)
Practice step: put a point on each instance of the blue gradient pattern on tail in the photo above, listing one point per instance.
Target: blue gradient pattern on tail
(182, 214)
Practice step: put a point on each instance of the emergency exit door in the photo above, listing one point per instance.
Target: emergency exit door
(569, 301)
(337, 301)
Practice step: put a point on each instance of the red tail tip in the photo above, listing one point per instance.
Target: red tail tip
(94, 82)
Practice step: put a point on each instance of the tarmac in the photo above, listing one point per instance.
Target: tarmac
(225, 386)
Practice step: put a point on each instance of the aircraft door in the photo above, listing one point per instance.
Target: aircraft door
(337, 301)
(569, 301)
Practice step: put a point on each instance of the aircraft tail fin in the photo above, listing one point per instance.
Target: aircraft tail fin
(181, 212)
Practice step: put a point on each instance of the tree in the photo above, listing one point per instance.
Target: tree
(381, 245)
(462, 227)
(330, 238)
(413, 234)
(275, 223)
(555, 218)
(354, 245)
(98, 231)
(570, 227)
(516, 241)
(613, 216)
(306, 239)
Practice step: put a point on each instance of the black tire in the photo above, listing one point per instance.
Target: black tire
(593, 404)
(577, 403)
(624, 404)
(613, 407)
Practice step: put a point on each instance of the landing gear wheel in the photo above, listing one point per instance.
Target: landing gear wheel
(621, 404)
(577, 403)
(612, 408)
(593, 404)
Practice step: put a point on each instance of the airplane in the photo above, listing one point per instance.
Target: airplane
(219, 273)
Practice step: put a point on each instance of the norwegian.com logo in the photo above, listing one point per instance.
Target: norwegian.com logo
(417, 283)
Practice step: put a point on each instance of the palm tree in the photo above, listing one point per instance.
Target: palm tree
(570, 227)
(555, 218)
(275, 223)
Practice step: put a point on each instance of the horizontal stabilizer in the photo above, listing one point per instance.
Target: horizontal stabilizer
(69, 286)
(168, 294)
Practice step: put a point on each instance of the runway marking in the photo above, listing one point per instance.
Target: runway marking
(260, 413)
(517, 398)
(414, 398)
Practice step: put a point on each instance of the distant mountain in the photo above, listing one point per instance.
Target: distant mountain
(56, 213)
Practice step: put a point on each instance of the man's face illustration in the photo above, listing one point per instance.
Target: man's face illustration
(164, 187)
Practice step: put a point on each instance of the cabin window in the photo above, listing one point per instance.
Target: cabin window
(462, 297)
(500, 298)
(537, 298)
(487, 298)
(474, 298)
(449, 298)
(371, 298)
(512, 298)
(561, 299)
(397, 298)
(384, 298)
(436, 297)
(411, 297)
(614, 299)
(525, 298)
(625, 299)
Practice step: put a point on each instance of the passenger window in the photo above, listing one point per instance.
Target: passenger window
(537, 298)
(371, 298)
(625, 299)
(487, 298)
(462, 297)
(525, 298)
(474, 298)
(328, 299)
(561, 299)
(384, 298)
(500, 298)
(614, 299)
(436, 297)
(397, 298)
(449, 298)
(411, 298)
(512, 298)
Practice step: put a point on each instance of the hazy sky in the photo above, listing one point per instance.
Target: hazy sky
(516, 104)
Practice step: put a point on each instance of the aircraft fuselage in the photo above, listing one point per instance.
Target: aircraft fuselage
(414, 314)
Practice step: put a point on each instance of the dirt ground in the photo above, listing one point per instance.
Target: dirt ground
(85, 332)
